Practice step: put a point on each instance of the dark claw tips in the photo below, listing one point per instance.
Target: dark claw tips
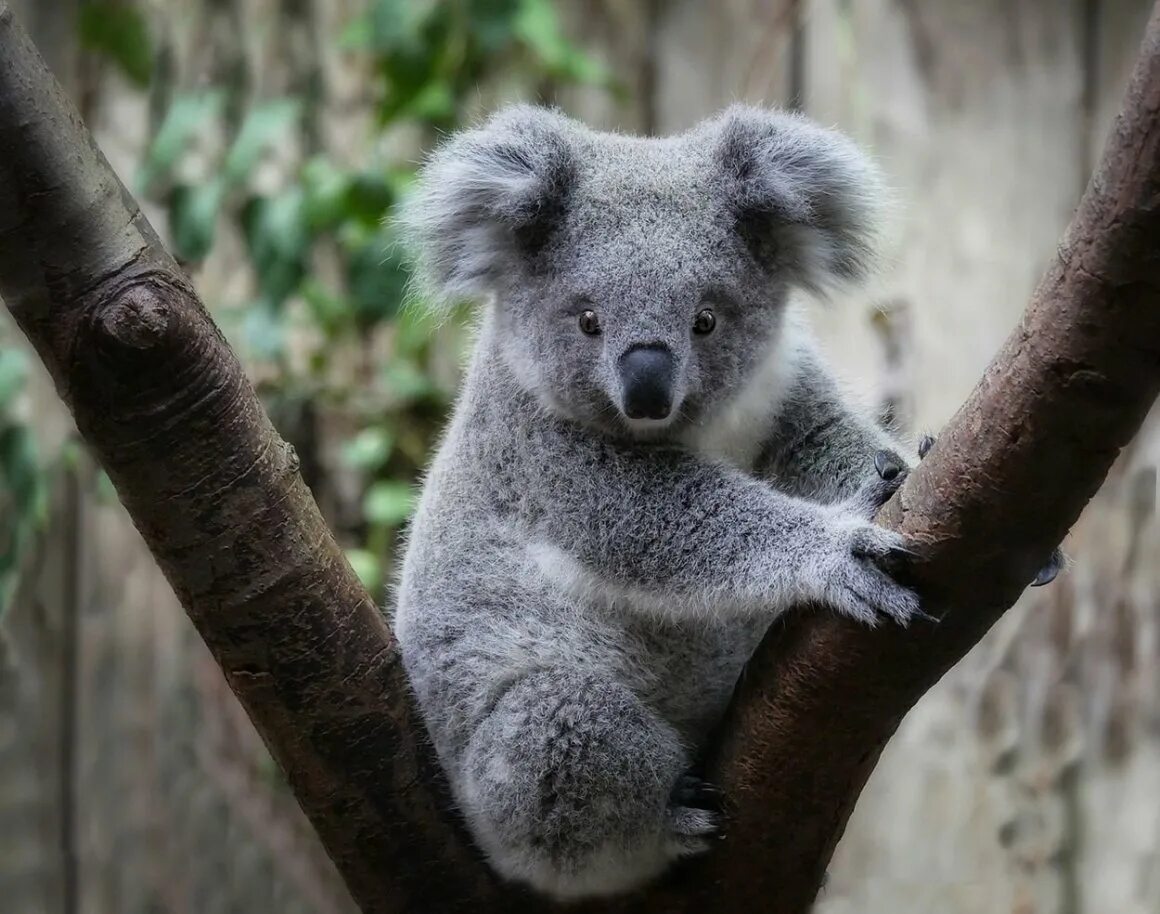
(887, 464)
(1048, 572)
(697, 794)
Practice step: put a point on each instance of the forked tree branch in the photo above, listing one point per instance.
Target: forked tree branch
(165, 406)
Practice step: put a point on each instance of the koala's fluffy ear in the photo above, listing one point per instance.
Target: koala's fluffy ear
(807, 201)
(486, 198)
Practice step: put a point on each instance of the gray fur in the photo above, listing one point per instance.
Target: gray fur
(581, 590)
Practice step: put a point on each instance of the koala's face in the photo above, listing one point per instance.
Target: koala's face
(640, 283)
(643, 307)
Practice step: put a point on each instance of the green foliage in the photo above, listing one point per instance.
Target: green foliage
(23, 499)
(264, 125)
(388, 503)
(188, 115)
(13, 371)
(538, 28)
(326, 323)
(118, 32)
(432, 54)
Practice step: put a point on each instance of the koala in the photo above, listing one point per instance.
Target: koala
(648, 463)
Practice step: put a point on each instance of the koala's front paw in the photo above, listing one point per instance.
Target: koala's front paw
(696, 815)
(1055, 562)
(855, 572)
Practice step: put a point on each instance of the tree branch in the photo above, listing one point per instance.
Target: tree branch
(1009, 476)
(164, 405)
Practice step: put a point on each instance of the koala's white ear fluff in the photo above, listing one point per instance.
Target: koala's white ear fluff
(484, 199)
(806, 199)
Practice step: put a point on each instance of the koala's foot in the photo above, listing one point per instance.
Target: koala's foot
(568, 785)
(696, 816)
(1056, 561)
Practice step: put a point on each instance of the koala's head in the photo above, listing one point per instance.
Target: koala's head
(639, 283)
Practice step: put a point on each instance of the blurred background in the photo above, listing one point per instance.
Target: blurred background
(268, 139)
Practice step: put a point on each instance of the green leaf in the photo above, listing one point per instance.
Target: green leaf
(538, 27)
(434, 102)
(376, 276)
(120, 33)
(412, 40)
(330, 311)
(370, 449)
(357, 34)
(414, 328)
(105, 491)
(20, 470)
(367, 566)
(279, 241)
(369, 198)
(263, 126)
(264, 330)
(579, 67)
(70, 455)
(407, 382)
(187, 115)
(193, 215)
(388, 503)
(327, 189)
(397, 26)
(491, 23)
(13, 373)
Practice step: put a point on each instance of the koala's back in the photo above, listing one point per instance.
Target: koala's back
(476, 612)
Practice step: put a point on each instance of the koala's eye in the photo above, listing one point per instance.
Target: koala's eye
(589, 322)
(704, 322)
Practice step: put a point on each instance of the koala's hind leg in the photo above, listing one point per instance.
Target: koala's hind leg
(571, 785)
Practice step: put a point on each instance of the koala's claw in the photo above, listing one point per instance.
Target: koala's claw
(1054, 565)
(891, 555)
(926, 617)
(1049, 571)
(888, 465)
(695, 793)
(695, 815)
(893, 561)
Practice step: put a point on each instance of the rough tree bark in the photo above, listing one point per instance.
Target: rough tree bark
(165, 406)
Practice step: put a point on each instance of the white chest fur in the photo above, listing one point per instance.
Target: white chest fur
(737, 431)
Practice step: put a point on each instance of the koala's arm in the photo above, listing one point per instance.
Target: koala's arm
(668, 531)
(822, 446)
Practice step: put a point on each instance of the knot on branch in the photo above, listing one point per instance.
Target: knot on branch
(142, 347)
(135, 320)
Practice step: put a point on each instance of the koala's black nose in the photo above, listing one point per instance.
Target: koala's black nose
(646, 376)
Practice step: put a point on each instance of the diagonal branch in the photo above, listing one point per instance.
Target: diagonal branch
(165, 406)
(1010, 474)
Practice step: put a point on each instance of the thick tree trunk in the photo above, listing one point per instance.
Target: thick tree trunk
(165, 406)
